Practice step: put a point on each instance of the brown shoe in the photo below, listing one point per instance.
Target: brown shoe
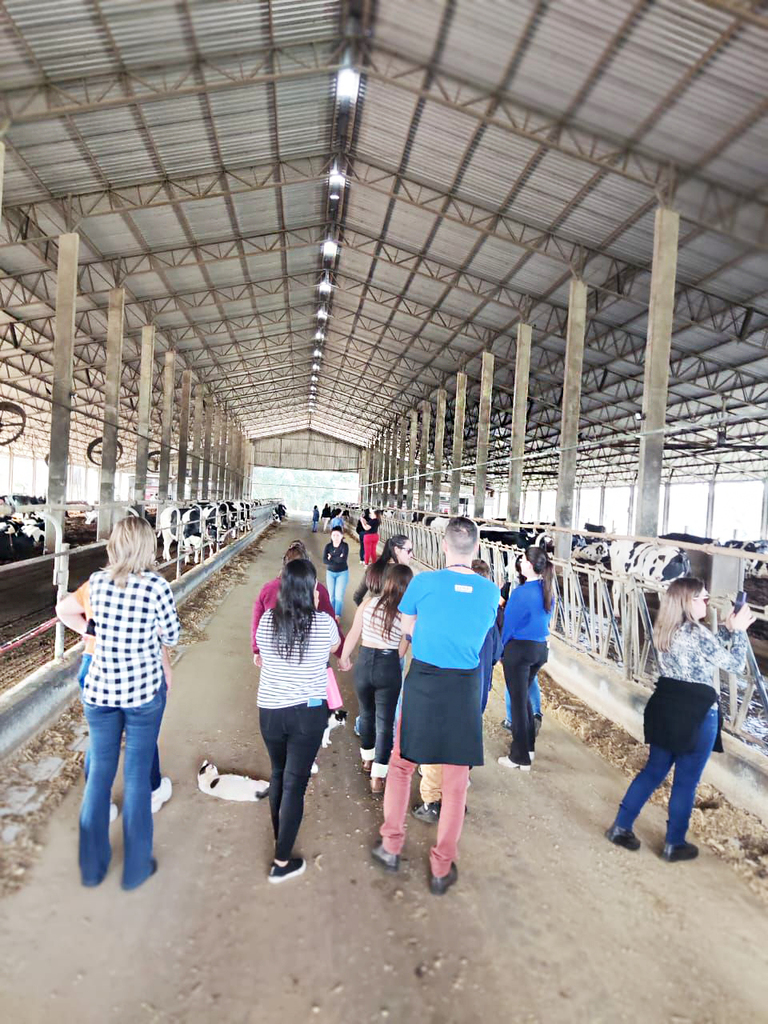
(377, 786)
(367, 765)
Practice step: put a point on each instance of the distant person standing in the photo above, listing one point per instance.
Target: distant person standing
(525, 637)
(363, 526)
(448, 614)
(337, 520)
(326, 516)
(335, 556)
(315, 518)
(371, 538)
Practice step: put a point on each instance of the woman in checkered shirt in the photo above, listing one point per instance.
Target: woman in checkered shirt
(124, 691)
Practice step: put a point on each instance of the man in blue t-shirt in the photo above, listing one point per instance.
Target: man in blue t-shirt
(448, 614)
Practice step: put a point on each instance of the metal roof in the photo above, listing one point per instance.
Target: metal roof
(488, 152)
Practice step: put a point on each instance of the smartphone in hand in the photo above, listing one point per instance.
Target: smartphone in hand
(741, 600)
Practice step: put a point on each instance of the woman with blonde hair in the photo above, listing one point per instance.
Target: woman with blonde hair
(124, 690)
(682, 721)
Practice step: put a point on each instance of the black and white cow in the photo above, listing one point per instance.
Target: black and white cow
(189, 526)
(752, 567)
(660, 562)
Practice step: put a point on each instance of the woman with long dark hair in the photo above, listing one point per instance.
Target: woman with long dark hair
(682, 722)
(524, 637)
(397, 550)
(295, 641)
(378, 675)
(371, 536)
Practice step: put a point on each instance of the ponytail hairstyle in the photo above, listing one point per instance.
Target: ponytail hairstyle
(675, 610)
(374, 574)
(543, 567)
(294, 612)
(394, 584)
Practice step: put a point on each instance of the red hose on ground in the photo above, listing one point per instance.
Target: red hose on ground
(36, 631)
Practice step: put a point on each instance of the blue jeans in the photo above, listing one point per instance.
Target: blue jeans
(106, 725)
(688, 769)
(337, 585)
(155, 778)
(314, 526)
(534, 695)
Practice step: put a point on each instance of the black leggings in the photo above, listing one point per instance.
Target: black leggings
(378, 679)
(292, 736)
(521, 660)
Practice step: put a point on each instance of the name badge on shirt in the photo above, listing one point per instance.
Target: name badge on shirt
(462, 589)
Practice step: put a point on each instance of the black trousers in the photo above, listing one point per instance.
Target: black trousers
(378, 679)
(521, 660)
(292, 737)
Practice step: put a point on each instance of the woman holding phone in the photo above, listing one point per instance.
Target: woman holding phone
(682, 722)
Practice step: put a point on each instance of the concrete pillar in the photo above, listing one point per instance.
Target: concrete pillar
(437, 467)
(362, 474)
(519, 423)
(216, 479)
(483, 430)
(631, 519)
(403, 428)
(169, 370)
(197, 434)
(413, 435)
(389, 475)
(664, 510)
(207, 443)
(658, 345)
(144, 415)
(426, 424)
(112, 374)
(184, 410)
(458, 440)
(569, 428)
(376, 477)
(226, 435)
(711, 505)
(764, 516)
(61, 394)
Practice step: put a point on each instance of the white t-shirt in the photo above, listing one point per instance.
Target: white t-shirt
(288, 682)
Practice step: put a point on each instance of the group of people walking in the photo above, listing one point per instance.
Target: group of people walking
(456, 625)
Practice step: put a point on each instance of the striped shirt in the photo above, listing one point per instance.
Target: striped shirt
(373, 628)
(288, 682)
(132, 623)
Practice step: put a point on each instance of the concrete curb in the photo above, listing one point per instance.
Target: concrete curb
(40, 698)
(740, 772)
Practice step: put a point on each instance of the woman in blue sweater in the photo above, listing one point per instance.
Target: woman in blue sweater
(524, 638)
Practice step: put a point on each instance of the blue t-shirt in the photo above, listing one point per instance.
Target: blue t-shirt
(525, 617)
(454, 612)
(337, 521)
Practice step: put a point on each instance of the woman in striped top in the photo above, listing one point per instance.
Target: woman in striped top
(295, 642)
(378, 675)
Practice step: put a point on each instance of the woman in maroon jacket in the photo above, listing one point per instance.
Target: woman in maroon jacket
(268, 598)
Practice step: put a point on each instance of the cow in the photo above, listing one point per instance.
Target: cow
(752, 567)
(660, 562)
(188, 526)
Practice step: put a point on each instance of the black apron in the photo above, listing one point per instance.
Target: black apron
(442, 720)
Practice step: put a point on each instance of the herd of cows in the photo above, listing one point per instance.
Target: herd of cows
(191, 527)
(660, 562)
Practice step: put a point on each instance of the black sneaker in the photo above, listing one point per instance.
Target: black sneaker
(506, 724)
(428, 813)
(296, 866)
(623, 837)
(439, 886)
(679, 851)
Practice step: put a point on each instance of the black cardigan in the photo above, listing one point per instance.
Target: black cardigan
(675, 712)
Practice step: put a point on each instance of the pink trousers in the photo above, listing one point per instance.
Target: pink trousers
(397, 797)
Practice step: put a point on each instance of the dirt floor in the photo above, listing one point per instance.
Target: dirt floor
(549, 923)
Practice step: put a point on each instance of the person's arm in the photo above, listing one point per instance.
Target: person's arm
(324, 605)
(165, 657)
(408, 626)
(168, 624)
(713, 646)
(258, 611)
(72, 614)
(359, 595)
(402, 647)
(514, 603)
(352, 640)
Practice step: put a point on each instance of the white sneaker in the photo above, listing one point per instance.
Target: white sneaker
(114, 810)
(315, 769)
(531, 754)
(162, 794)
(506, 763)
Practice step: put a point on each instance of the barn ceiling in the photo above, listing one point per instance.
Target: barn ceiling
(480, 154)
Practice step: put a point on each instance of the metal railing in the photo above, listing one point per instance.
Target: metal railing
(610, 619)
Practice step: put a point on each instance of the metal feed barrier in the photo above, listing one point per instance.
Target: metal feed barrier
(609, 619)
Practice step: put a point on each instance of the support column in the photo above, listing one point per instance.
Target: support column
(437, 468)
(569, 428)
(764, 516)
(426, 424)
(169, 370)
(389, 475)
(414, 428)
(364, 457)
(483, 430)
(216, 453)
(711, 505)
(223, 452)
(186, 400)
(665, 507)
(376, 475)
(519, 423)
(459, 410)
(656, 379)
(401, 463)
(197, 433)
(61, 394)
(112, 373)
(601, 510)
(205, 488)
(144, 416)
